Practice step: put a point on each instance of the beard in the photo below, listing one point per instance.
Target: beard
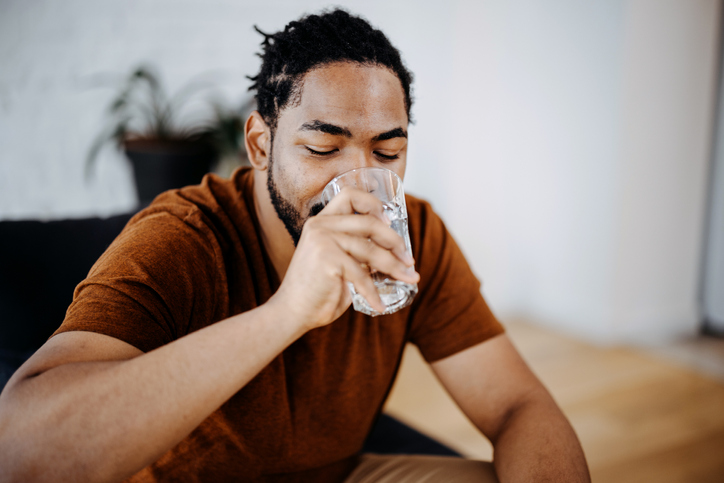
(290, 216)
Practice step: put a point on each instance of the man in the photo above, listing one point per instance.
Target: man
(214, 340)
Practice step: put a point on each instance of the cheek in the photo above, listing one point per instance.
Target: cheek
(300, 182)
(398, 167)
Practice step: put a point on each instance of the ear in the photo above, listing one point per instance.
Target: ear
(257, 139)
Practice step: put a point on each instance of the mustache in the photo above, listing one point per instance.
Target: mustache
(315, 209)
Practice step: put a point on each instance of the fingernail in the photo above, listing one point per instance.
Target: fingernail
(407, 258)
(410, 271)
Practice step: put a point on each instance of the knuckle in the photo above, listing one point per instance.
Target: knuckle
(369, 223)
(368, 246)
(312, 223)
(346, 193)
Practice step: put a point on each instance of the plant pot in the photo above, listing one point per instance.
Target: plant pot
(161, 165)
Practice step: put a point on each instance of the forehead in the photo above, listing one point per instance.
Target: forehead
(359, 97)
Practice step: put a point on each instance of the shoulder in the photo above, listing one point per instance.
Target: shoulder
(427, 230)
(192, 226)
(417, 206)
(211, 210)
(214, 196)
(420, 211)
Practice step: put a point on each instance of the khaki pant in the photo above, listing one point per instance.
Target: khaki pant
(417, 468)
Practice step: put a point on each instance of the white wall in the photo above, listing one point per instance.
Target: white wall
(540, 142)
(713, 293)
(564, 142)
(586, 144)
(670, 73)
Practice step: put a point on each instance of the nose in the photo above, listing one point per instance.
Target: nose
(362, 158)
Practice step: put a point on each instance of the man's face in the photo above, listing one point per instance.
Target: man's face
(349, 116)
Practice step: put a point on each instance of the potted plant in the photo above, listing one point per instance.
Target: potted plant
(164, 152)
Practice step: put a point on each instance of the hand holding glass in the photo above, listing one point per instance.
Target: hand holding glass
(387, 187)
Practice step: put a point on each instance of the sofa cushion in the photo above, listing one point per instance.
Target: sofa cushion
(40, 265)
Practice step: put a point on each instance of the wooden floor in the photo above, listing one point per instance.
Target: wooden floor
(640, 418)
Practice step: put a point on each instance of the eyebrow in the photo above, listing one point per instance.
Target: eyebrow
(398, 132)
(334, 130)
(326, 128)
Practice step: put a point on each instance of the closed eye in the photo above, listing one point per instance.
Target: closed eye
(320, 153)
(387, 156)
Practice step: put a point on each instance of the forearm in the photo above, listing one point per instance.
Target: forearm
(537, 444)
(96, 421)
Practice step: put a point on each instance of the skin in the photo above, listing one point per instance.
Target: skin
(88, 407)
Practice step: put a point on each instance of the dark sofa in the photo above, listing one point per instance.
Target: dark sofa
(40, 265)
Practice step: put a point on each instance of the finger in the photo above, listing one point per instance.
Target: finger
(367, 227)
(363, 284)
(352, 201)
(368, 252)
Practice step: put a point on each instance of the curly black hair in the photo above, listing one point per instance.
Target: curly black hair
(314, 41)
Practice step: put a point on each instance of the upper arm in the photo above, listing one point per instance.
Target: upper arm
(489, 381)
(72, 347)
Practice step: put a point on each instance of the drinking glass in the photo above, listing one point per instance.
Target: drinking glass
(386, 186)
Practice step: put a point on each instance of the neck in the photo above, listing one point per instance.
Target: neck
(277, 241)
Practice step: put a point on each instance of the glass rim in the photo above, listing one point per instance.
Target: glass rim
(365, 168)
(332, 188)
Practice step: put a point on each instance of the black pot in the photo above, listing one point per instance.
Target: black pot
(159, 166)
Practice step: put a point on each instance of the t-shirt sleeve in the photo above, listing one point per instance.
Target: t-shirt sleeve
(149, 286)
(449, 314)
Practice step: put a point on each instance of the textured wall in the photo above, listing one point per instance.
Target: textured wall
(52, 52)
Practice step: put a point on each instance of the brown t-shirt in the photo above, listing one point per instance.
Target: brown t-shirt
(195, 257)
